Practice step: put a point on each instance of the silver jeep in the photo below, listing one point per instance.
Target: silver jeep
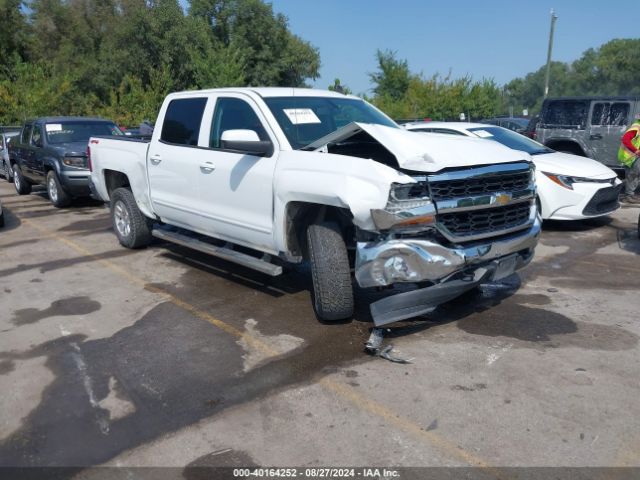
(587, 126)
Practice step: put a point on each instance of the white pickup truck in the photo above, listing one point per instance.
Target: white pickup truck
(268, 176)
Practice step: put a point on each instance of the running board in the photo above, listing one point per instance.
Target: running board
(221, 252)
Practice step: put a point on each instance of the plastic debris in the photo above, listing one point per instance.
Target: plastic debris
(374, 347)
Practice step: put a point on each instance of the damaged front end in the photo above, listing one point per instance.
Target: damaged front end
(450, 231)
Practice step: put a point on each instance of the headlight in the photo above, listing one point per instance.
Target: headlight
(567, 182)
(408, 207)
(74, 161)
(562, 180)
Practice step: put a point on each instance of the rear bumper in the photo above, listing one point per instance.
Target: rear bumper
(93, 193)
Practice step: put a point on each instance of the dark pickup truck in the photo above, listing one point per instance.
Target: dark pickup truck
(51, 151)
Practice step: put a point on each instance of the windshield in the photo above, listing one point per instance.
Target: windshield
(70, 132)
(511, 139)
(306, 119)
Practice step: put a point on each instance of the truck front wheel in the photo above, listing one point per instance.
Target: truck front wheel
(332, 289)
(132, 228)
(57, 195)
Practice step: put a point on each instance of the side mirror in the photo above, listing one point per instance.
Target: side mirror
(246, 141)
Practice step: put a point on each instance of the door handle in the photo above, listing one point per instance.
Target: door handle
(207, 167)
(155, 159)
(595, 136)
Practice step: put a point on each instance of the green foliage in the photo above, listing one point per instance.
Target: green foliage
(403, 95)
(272, 55)
(338, 87)
(392, 77)
(119, 58)
(611, 69)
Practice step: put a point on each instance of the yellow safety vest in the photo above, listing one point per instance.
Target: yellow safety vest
(626, 156)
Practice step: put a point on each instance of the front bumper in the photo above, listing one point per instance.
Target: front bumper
(452, 270)
(379, 264)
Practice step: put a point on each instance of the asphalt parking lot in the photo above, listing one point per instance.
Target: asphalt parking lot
(166, 357)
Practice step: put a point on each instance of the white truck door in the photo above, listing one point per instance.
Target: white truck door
(174, 163)
(236, 188)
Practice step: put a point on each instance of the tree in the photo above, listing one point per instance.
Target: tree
(272, 54)
(392, 77)
(611, 69)
(338, 87)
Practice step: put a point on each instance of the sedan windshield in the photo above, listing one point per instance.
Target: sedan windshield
(306, 119)
(511, 139)
(70, 132)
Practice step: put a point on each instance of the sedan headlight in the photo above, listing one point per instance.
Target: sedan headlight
(567, 181)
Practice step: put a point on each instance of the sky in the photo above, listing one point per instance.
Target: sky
(494, 39)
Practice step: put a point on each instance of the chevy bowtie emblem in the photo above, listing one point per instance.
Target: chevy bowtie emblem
(502, 199)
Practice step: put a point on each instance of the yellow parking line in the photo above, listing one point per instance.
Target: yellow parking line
(344, 391)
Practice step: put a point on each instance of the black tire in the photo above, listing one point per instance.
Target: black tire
(8, 174)
(1, 219)
(638, 226)
(57, 195)
(332, 288)
(132, 228)
(22, 186)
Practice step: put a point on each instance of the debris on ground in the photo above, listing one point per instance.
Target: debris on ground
(374, 347)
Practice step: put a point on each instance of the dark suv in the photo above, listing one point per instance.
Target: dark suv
(587, 126)
(52, 151)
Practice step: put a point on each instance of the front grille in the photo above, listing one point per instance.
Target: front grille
(604, 201)
(505, 182)
(484, 221)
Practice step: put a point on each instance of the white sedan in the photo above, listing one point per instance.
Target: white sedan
(569, 187)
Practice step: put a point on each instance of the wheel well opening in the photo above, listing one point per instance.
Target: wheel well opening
(566, 146)
(114, 179)
(299, 215)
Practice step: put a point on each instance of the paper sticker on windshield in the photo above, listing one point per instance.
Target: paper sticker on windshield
(483, 133)
(300, 116)
(54, 127)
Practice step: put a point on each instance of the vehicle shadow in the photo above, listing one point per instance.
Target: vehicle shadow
(576, 225)
(297, 278)
(11, 221)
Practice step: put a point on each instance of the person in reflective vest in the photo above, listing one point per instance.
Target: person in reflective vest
(628, 156)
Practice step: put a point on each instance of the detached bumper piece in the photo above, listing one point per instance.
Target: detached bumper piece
(418, 302)
(604, 201)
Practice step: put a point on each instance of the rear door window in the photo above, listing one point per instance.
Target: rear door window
(605, 113)
(182, 121)
(565, 113)
(26, 135)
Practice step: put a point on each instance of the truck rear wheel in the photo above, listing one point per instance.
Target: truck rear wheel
(332, 289)
(22, 186)
(8, 174)
(58, 197)
(132, 228)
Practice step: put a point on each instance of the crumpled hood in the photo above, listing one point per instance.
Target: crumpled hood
(571, 165)
(427, 152)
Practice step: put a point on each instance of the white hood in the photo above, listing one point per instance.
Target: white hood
(571, 165)
(427, 152)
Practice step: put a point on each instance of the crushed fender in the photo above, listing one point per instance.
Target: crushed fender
(374, 347)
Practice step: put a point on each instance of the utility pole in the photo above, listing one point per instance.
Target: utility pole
(554, 17)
